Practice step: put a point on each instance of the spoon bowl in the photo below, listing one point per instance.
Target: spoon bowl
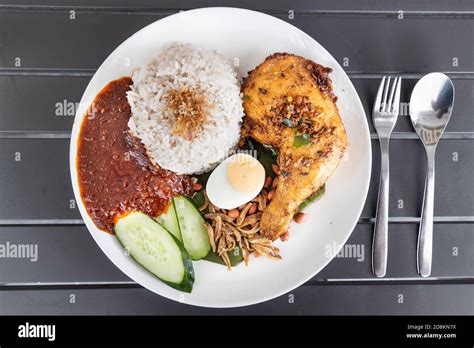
(431, 105)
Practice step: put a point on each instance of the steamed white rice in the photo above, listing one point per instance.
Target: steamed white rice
(175, 66)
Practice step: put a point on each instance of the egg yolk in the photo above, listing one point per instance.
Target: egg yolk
(245, 173)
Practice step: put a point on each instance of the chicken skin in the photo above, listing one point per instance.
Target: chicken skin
(289, 104)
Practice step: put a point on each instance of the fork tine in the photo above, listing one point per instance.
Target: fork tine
(378, 98)
(385, 95)
(392, 92)
(396, 100)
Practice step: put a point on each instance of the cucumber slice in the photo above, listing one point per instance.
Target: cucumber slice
(169, 220)
(191, 225)
(157, 250)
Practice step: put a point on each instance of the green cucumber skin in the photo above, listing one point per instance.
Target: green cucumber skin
(171, 214)
(203, 249)
(187, 282)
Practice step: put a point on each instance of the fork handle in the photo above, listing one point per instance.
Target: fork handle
(425, 233)
(380, 245)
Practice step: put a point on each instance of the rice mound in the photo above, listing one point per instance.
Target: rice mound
(177, 66)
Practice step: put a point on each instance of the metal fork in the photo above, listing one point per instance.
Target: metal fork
(384, 117)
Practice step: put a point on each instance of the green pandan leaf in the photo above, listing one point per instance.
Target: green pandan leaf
(301, 140)
(311, 199)
(235, 257)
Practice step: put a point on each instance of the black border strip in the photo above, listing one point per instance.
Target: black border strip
(362, 220)
(93, 285)
(67, 135)
(6, 71)
(149, 11)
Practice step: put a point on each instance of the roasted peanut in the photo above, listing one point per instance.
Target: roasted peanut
(275, 182)
(300, 218)
(233, 213)
(253, 209)
(268, 182)
(271, 194)
(285, 236)
(276, 169)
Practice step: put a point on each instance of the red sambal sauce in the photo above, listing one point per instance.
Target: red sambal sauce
(115, 174)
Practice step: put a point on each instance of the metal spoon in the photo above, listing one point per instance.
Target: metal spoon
(431, 104)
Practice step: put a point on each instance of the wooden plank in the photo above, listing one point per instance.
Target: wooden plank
(55, 110)
(39, 103)
(36, 182)
(68, 254)
(362, 44)
(462, 119)
(306, 300)
(454, 187)
(276, 5)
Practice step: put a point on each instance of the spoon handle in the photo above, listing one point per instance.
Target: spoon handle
(380, 242)
(425, 234)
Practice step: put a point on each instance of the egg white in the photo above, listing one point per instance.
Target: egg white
(220, 191)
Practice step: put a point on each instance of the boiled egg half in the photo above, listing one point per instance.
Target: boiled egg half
(236, 181)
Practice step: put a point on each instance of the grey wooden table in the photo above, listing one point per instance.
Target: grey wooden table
(50, 49)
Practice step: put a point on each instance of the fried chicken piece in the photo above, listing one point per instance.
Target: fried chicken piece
(289, 104)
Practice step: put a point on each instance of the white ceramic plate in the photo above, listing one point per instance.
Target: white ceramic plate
(248, 37)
